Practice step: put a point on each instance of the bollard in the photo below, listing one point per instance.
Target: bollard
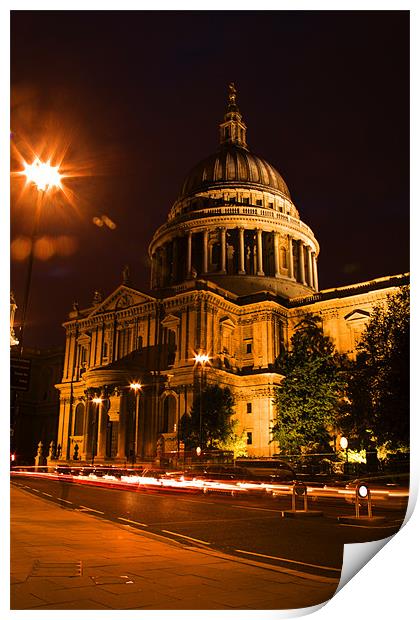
(362, 492)
(299, 489)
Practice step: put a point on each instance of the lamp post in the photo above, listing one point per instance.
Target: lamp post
(202, 359)
(44, 177)
(97, 402)
(136, 386)
(344, 444)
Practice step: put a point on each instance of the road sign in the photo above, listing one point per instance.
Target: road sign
(20, 373)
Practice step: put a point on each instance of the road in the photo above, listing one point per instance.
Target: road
(252, 528)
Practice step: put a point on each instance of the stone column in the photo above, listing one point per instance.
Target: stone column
(241, 271)
(291, 262)
(87, 431)
(137, 428)
(174, 259)
(164, 265)
(153, 271)
(223, 249)
(301, 263)
(276, 255)
(260, 271)
(310, 272)
(315, 271)
(205, 251)
(122, 427)
(102, 424)
(158, 267)
(189, 253)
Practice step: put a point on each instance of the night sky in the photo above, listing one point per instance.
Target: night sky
(135, 99)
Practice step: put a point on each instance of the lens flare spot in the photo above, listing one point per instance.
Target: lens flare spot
(20, 248)
(108, 222)
(44, 248)
(97, 221)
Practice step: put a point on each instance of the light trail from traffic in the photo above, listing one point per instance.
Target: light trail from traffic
(179, 482)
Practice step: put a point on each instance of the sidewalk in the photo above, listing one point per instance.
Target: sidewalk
(62, 559)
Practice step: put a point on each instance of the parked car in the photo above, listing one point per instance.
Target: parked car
(268, 470)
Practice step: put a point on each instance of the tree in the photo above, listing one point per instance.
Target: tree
(216, 413)
(379, 387)
(234, 442)
(308, 398)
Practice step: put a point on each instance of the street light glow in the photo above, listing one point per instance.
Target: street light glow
(97, 400)
(135, 386)
(344, 443)
(201, 358)
(42, 174)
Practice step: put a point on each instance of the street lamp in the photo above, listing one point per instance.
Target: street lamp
(44, 177)
(202, 359)
(97, 402)
(136, 386)
(344, 444)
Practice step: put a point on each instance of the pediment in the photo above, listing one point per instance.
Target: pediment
(122, 297)
(171, 321)
(357, 315)
(83, 339)
(227, 323)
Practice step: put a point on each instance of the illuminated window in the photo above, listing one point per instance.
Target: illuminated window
(249, 407)
(249, 439)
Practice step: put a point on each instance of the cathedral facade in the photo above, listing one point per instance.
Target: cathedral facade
(233, 269)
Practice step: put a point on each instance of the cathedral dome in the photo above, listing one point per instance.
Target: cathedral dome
(233, 164)
(234, 224)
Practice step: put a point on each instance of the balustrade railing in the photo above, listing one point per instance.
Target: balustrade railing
(236, 210)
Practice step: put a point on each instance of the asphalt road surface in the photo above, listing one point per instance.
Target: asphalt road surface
(252, 528)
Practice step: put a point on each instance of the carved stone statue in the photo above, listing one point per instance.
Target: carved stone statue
(126, 275)
(97, 298)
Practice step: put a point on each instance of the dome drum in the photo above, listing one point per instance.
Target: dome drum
(237, 257)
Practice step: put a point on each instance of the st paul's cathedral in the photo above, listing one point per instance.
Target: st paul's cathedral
(233, 269)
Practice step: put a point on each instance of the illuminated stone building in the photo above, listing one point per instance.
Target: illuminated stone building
(233, 269)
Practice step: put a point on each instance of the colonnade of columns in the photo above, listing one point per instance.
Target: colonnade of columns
(95, 431)
(251, 248)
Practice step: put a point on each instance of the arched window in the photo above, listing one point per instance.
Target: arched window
(79, 418)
